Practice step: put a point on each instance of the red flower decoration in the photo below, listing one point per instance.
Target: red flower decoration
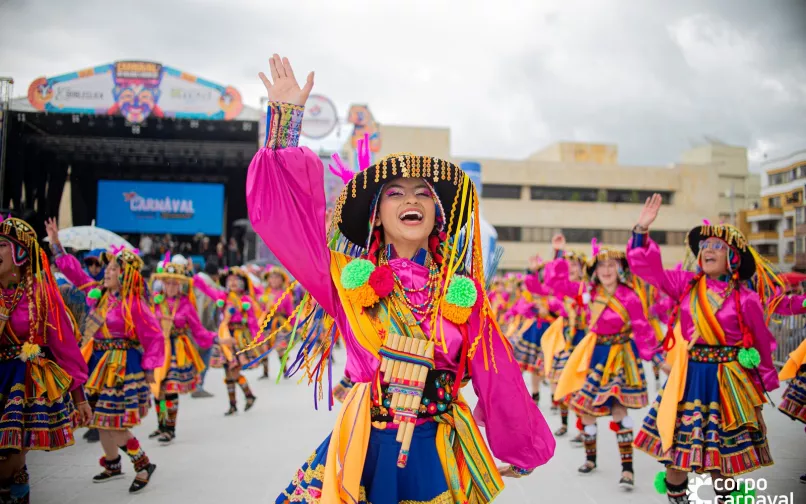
(102, 461)
(133, 444)
(615, 426)
(382, 281)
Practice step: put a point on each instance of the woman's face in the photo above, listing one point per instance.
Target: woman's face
(171, 287)
(406, 211)
(235, 284)
(7, 266)
(714, 257)
(276, 281)
(574, 271)
(112, 276)
(607, 272)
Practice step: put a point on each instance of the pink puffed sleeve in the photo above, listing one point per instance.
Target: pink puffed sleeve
(643, 334)
(150, 335)
(202, 336)
(555, 275)
(556, 306)
(646, 262)
(535, 286)
(516, 430)
(210, 292)
(73, 272)
(791, 305)
(763, 340)
(64, 344)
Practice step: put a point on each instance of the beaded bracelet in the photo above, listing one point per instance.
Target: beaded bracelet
(519, 472)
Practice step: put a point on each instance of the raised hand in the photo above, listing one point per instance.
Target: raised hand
(558, 242)
(650, 211)
(52, 228)
(283, 86)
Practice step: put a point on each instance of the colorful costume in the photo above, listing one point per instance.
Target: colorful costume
(605, 368)
(126, 342)
(430, 451)
(40, 361)
(236, 333)
(281, 300)
(183, 332)
(704, 418)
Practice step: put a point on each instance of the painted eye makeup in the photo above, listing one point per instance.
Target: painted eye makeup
(393, 192)
(424, 192)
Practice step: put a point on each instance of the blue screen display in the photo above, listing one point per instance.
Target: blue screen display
(128, 206)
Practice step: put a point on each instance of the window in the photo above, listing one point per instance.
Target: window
(774, 202)
(501, 191)
(564, 193)
(616, 236)
(800, 215)
(508, 233)
(677, 238)
(789, 224)
(538, 234)
(799, 248)
(636, 196)
(767, 249)
(767, 226)
(658, 237)
(582, 235)
(790, 248)
(776, 178)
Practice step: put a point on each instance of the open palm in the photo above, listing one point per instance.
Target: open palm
(650, 211)
(283, 86)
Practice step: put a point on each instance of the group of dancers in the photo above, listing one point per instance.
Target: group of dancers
(135, 344)
(398, 276)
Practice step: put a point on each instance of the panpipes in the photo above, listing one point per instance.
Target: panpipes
(405, 365)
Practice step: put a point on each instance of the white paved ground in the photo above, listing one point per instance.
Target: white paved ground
(251, 457)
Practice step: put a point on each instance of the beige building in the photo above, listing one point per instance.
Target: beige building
(777, 226)
(582, 191)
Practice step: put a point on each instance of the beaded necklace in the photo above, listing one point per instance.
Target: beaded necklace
(403, 293)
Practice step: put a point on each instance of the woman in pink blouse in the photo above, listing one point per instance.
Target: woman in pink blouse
(41, 369)
(276, 296)
(125, 349)
(604, 373)
(175, 308)
(708, 416)
(400, 286)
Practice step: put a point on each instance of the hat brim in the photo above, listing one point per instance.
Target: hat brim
(171, 276)
(747, 266)
(356, 198)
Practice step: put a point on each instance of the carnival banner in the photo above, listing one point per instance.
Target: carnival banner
(128, 206)
(135, 90)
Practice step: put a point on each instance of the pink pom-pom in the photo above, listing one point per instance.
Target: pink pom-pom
(101, 460)
(595, 246)
(615, 426)
(706, 222)
(382, 281)
(133, 444)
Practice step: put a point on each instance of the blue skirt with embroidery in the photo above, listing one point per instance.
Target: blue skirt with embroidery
(598, 396)
(30, 424)
(121, 406)
(700, 442)
(382, 482)
(793, 403)
(527, 347)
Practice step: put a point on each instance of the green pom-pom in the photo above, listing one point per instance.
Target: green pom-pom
(356, 273)
(462, 292)
(804, 303)
(660, 482)
(749, 358)
(742, 493)
(160, 269)
(246, 305)
(159, 298)
(220, 303)
(94, 294)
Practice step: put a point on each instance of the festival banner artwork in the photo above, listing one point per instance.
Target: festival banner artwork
(128, 206)
(135, 90)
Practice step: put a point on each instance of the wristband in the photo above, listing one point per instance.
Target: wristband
(520, 472)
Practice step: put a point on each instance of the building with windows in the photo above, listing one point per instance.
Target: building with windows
(777, 225)
(581, 190)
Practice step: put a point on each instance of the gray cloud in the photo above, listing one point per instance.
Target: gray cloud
(508, 77)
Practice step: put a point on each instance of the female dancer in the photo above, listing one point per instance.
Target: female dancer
(176, 311)
(276, 285)
(708, 416)
(793, 403)
(40, 361)
(409, 305)
(126, 347)
(557, 350)
(237, 330)
(612, 377)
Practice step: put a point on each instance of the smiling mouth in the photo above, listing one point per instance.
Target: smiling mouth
(411, 216)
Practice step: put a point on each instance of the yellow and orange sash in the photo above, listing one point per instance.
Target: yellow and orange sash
(793, 364)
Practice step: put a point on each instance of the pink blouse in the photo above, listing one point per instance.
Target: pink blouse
(65, 350)
(610, 322)
(187, 318)
(646, 263)
(222, 295)
(146, 328)
(286, 200)
(270, 296)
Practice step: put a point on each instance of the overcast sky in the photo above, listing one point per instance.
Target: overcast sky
(507, 77)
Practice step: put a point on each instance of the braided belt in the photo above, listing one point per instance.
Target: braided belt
(9, 352)
(613, 339)
(713, 354)
(114, 344)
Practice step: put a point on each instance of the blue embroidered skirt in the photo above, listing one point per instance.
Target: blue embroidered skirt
(123, 405)
(32, 424)
(527, 346)
(382, 482)
(793, 403)
(625, 384)
(700, 442)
